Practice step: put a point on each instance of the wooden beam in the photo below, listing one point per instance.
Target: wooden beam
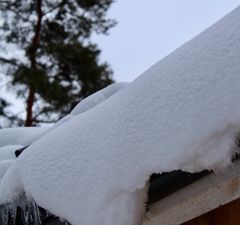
(196, 199)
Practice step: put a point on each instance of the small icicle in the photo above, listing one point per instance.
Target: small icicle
(36, 214)
(12, 213)
(63, 221)
(27, 207)
(26, 215)
(31, 213)
(48, 214)
(4, 210)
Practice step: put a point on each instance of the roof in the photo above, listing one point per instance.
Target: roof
(197, 198)
(181, 114)
(165, 184)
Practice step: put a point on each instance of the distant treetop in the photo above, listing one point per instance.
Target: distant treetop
(58, 64)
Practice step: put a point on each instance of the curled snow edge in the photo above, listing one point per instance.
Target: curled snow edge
(182, 113)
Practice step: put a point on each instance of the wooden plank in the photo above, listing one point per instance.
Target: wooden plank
(196, 199)
(224, 215)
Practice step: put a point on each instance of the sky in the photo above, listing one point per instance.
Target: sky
(148, 30)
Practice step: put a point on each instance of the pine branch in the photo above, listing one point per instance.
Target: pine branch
(45, 121)
(16, 12)
(9, 61)
(61, 4)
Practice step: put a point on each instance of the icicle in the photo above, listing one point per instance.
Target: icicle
(8, 214)
(4, 215)
(48, 214)
(26, 216)
(36, 214)
(63, 221)
(29, 210)
(31, 213)
(12, 215)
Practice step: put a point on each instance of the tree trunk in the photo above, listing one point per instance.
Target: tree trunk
(32, 57)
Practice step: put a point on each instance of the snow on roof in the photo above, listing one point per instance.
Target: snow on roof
(21, 136)
(92, 101)
(182, 113)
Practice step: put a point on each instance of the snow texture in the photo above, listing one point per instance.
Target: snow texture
(21, 136)
(4, 166)
(12, 139)
(182, 113)
(93, 100)
(26, 136)
(7, 158)
(8, 152)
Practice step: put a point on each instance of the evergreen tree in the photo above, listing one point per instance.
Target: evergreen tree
(56, 65)
(8, 118)
(3, 111)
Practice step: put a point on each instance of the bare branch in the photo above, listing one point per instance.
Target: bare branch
(61, 4)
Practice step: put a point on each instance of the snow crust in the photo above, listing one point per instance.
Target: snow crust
(182, 113)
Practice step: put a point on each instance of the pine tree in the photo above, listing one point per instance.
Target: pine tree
(3, 111)
(56, 65)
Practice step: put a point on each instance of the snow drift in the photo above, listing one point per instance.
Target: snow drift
(182, 113)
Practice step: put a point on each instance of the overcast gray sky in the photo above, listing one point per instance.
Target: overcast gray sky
(148, 30)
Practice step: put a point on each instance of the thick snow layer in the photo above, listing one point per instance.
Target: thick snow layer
(21, 136)
(4, 166)
(7, 158)
(26, 136)
(92, 101)
(97, 98)
(8, 152)
(182, 113)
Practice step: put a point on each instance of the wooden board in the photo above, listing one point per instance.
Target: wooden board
(228, 214)
(197, 199)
